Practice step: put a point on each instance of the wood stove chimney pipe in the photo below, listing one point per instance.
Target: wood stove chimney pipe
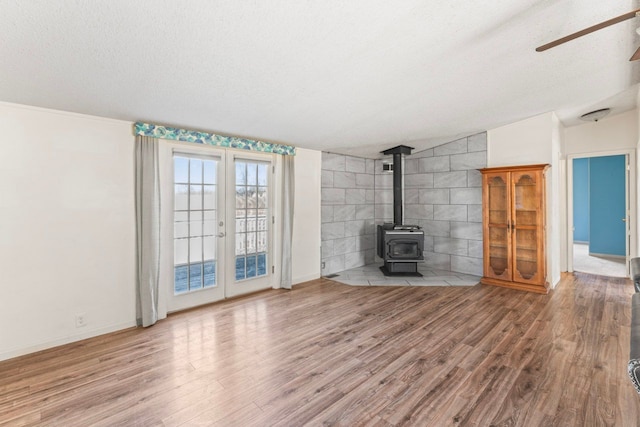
(397, 180)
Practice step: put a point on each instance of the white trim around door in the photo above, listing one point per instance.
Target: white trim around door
(630, 201)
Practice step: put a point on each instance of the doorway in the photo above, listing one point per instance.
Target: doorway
(198, 229)
(599, 237)
(220, 214)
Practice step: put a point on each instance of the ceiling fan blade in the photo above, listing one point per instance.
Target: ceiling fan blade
(591, 29)
(636, 55)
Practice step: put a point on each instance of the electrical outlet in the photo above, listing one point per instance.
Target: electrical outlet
(81, 320)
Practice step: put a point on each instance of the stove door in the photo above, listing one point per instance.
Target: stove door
(404, 249)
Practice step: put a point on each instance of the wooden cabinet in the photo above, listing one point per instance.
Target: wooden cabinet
(513, 220)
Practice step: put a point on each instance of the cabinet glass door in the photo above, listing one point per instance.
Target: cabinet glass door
(497, 246)
(526, 212)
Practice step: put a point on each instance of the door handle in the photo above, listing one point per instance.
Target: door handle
(220, 234)
(624, 219)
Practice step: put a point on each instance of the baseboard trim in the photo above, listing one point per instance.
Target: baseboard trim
(622, 257)
(65, 340)
(306, 278)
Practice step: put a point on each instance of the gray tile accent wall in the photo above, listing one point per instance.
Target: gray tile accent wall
(348, 212)
(449, 202)
(442, 194)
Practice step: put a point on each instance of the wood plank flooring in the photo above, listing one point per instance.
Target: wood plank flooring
(330, 354)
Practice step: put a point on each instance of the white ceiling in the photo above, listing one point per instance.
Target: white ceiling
(354, 76)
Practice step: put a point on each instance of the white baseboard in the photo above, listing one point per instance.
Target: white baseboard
(65, 340)
(621, 257)
(306, 278)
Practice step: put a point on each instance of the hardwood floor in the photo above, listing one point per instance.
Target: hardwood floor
(331, 354)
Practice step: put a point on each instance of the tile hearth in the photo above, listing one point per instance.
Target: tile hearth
(370, 275)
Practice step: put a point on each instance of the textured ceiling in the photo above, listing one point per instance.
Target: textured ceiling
(353, 76)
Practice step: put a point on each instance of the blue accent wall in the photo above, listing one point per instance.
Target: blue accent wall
(581, 200)
(607, 205)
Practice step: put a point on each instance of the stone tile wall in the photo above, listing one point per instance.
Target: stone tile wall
(442, 194)
(348, 231)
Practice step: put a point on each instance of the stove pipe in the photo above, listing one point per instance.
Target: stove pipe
(397, 179)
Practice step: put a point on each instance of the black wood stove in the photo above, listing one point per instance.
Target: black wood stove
(399, 245)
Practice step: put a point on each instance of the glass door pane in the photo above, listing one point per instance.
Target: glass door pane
(498, 243)
(250, 194)
(526, 211)
(251, 216)
(195, 215)
(526, 254)
(526, 200)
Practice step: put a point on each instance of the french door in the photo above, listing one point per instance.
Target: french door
(249, 232)
(222, 226)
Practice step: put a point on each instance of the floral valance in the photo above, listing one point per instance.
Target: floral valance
(165, 132)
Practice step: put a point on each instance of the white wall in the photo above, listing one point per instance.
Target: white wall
(556, 207)
(611, 133)
(543, 139)
(526, 142)
(535, 140)
(67, 227)
(307, 221)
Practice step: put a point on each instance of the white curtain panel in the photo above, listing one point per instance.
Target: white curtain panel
(288, 169)
(147, 230)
